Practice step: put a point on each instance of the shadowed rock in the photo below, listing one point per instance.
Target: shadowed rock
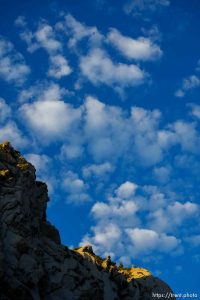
(33, 263)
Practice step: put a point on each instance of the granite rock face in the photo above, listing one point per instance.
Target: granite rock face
(33, 263)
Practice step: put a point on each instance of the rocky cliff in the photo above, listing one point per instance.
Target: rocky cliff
(33, 263)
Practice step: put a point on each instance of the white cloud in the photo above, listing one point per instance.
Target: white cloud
(45, 37)
(40, 161)
(96, 64)
(72, 150)
(59, 67)
(13, 68)
(80, 31)
(137, 49)
(195, 110)
(105, 132)
(114, 210)
(76, 188)
(103, 237)
(144, 220)
(152, 33)
(45, 91)
(49, 119)
(190, 83)
(145, 241)
(162, 174)
(126, 190)
(11, 132)
(179, 93)
(139, 7)
(148, 139)
(172, 216)
(20, 21)
(5, 110)
(98, 171)
(98, 68)
(186, 136)
(198, 66)
(8, 128)
(179, 211)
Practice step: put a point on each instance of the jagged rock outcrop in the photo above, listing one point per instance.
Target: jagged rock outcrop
(33, 263)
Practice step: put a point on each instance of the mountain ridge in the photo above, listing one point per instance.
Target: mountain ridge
(34, 265)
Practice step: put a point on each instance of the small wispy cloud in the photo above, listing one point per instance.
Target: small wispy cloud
(75, 187)
(190, 83)
(98, 68)
(134, 49)
(140, 8)
(13, 67)
(45, 37)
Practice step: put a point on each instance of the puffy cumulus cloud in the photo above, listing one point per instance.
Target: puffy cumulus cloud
(72, 150)
(8, 128)
(180, 211)
(106, 132)
(45, 37)
(190, 83)
(120, 208)
(96, 64)
(12, 133)
(149, 140)
(5, 110)
(59, 67)
(162, 174)
(44, 91)
(106, 129)
(39, 161)
(145, 241)
(79, 31)
(76, 188)
(195, 110)
(126, 190)
(98, 68)
(161, 218)
(123, 209)
(137, 49)
(143, 220)
(186, 135)
(109, 128)
(141, 7)
(13, 68)
(94, 61)
(103, 237)
(97, 171)
(49, 119)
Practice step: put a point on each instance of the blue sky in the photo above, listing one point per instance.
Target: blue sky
(103, 98)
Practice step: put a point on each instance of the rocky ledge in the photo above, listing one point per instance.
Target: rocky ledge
(33, 263)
